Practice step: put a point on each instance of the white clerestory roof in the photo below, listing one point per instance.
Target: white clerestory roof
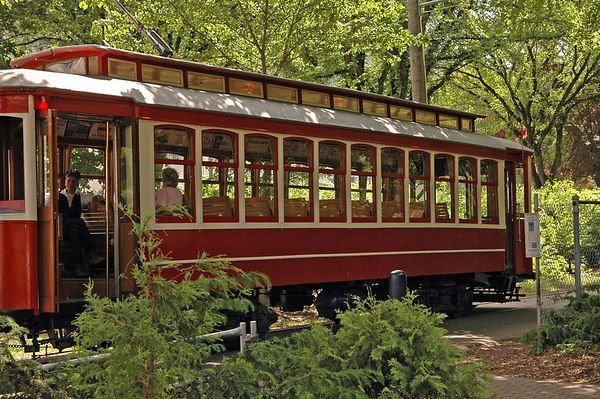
(153, 94)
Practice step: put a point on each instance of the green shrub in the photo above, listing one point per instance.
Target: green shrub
(383, 349)
(21, 378)
(576, 326)
(155, 336)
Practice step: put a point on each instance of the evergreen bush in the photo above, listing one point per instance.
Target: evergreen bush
(21, 378)
(383, 349)
(154, 337)
(574, 327)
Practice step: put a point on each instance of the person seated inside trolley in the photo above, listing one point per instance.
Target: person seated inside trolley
(169, 195)
(70, 205)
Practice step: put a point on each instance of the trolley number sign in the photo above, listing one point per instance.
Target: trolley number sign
(532, 235)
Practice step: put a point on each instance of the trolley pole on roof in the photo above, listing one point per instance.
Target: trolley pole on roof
(150, 34)
(417, 55)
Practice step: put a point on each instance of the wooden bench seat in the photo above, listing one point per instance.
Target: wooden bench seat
(217, 206)
(95, 220)
(362, 209)
(296, 207)
(330, 208)
(417, 209)
(258, 206)
(391, 209)
(441, 211)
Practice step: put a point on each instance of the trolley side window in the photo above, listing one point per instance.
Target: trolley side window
(444, 188)
(173, 171)
(362, 182)
(298, 176)
(332, 186)
(467, 193)
(260, 178)
(392, 188)
(12, 174)
(418, 164)
(219, 176)
(90, 163)
(489, 192)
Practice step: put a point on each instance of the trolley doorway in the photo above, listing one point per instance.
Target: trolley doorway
(90, 145)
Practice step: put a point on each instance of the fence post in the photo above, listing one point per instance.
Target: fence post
(538, 284)
(242, 337)
(576, 246)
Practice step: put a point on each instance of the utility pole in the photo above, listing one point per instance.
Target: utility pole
(417, 56)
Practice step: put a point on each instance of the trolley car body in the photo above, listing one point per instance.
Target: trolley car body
(315, 186)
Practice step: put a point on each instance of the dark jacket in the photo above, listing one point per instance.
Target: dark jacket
(70, 212)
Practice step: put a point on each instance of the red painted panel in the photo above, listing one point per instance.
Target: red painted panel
(14, 103)
(18, 265)
(13, 205)
(57, 54)
(92, 104)
(275, 242)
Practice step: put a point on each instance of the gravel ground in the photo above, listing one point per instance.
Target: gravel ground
(513, 359)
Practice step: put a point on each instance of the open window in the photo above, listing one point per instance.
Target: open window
(173, 172)
(392, 185)
(489, 191)
(467, 193)
(418, 169)
(90, 163)
(444, 188)
(362, 183)
(260, 178)
(219, 176)
(332, 182)
(298, 175)
(12, 172)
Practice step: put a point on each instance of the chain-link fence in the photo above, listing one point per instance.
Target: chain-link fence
(568, 269)
(586, 244)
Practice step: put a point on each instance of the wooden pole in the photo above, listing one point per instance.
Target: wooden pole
(106, 209)
(417, 56)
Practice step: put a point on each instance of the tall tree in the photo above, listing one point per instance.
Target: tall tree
(536, 60)
(277, 37)
(584, 143)
(27, 26)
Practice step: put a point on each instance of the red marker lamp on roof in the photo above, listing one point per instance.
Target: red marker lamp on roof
(40, 103)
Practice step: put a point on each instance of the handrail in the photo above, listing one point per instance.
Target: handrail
(234, 332)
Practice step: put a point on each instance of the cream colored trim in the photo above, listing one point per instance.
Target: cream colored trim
(335, 255)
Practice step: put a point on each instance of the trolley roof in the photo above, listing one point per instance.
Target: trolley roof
(158, 95)
(54, 56)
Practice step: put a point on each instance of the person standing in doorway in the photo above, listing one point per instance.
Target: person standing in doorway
(70, 204)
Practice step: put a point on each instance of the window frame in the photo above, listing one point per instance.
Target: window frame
(69, 161)
(274, 168)
(9, 162)
(310, 170)
(401, 177)
(223, 165)
(342, 172)
(426, 218)
(472, 182)
(373, 175)
(191, 163)
(451, 180)
(494, 184)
